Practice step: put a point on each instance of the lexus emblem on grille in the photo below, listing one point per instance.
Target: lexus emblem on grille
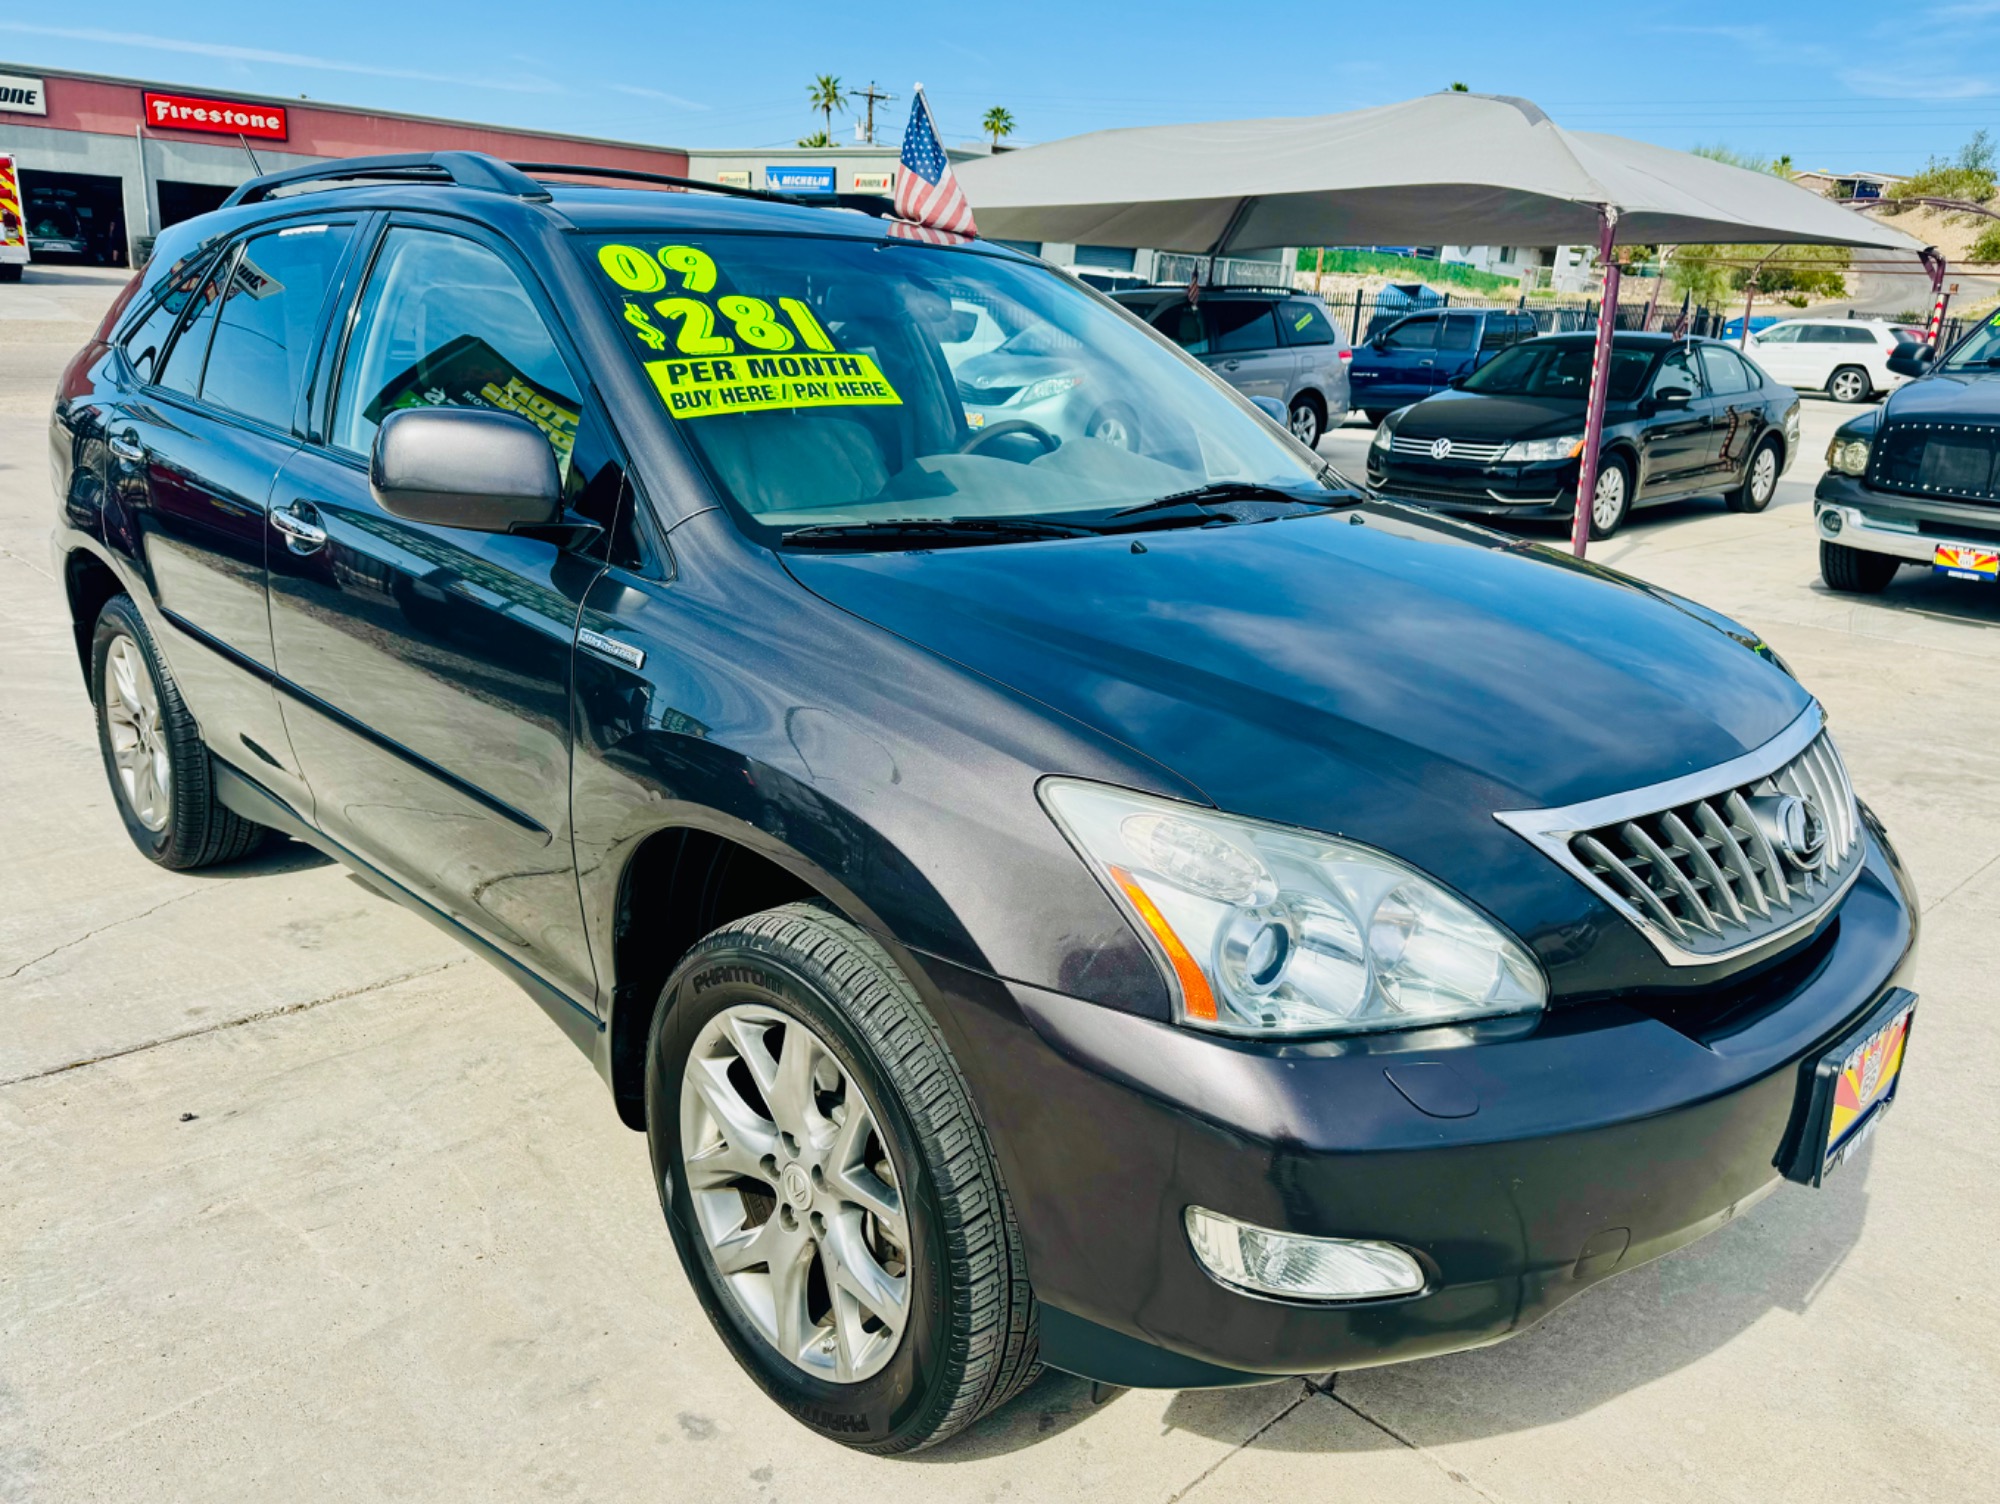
(1800, 833)
(1441, 449)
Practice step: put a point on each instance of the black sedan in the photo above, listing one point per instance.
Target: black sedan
(1685, 417)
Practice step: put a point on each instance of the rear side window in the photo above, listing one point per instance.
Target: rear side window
(1726, 374)
(1457, 331)
(1305, 323)
(1677, 374)
(1819, 334)
(446, 323)
(1856, 335)
(148, 340)
(1243, 326)
(263, 333)
(1412, 334)
(183, 361)
(1181, 323)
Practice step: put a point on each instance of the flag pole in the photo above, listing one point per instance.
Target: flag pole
(1600, 381)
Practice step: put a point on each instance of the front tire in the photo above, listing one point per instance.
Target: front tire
(1760, 480)
(1849, 384)
(1855, 571)
(1612, 502)
(160, 771)
(829, 1187)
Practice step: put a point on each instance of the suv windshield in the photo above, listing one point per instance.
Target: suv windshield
(1558, 368)
(1978, 351)
(832, 381)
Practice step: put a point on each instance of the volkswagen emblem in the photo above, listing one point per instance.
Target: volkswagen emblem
(1441, 449)
(1801, 834)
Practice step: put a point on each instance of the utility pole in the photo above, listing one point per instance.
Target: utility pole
(871, 94)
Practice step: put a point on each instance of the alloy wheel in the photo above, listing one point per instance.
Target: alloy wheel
(1848, 386)
(795, 1193)
(1763, 476)
(138, 740)
(1305, 424)
(1607, 502)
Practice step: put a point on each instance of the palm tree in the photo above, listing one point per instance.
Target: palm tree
(998, 123)
(817, 138)
(826, 96)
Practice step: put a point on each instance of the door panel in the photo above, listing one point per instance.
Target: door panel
(1244, 349)
(1677, 444)
(425, 671)
(1399, 371)
(1457, 348)
(1736, 402)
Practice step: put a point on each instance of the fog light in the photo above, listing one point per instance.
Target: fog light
(1294, 1267)
(1830, 520)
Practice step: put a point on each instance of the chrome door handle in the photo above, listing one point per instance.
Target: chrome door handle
(301, 536)
(126, 446)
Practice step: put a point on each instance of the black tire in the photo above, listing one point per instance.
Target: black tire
(1308, 419)
(1611, 465)
(1855, 571)
(1850, 384)
(970, 1339)
(186, 826)
(10, 271)
(1757, 489)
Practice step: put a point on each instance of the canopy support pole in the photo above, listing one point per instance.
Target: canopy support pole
(1228, 231)
(1600, 382)
(1934, 263)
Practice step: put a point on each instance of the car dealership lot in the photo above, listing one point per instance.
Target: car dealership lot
(295, 1196)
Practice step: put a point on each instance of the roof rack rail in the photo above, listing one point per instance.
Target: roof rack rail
(465, 169)
(866, 203)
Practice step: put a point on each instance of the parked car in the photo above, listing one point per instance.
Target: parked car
(1683, 417)
(1284, 346)
(1917, 480)
(932, 843)
(1419, 356)
(1848, 359)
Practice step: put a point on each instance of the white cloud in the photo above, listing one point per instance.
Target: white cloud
(231, 53)
(1914, 83)
(673, 99)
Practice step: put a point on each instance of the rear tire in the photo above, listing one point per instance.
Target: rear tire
(1850, 384)
(10, 271)
(773, 1192)
(1855, 571)
(1760, 480)
(1308, 419)
(161, 773)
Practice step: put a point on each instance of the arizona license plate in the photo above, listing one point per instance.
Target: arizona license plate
(1852, 1088)
(1960, 563)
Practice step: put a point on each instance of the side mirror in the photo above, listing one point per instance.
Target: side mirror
(1456, 383)
(964, 324)
(1912, 358)
(1273, 409)
(1672, 396)
(468, 467)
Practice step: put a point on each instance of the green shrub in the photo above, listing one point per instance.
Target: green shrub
(1407, 269)
(1987, 246)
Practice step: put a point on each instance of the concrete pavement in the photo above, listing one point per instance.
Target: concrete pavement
(297, 1200)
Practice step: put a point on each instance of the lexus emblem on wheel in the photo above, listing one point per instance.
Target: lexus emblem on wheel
(1441, 449)
(1801, 833)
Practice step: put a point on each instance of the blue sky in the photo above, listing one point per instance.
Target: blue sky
(1836, 83)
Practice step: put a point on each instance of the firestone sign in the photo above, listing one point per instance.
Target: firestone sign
(183, 112)
(23, 95)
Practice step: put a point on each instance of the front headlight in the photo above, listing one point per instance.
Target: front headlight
(1535, 451)
(1384, 432)
(1848, 456)
(1270, 930)
(1041, 391)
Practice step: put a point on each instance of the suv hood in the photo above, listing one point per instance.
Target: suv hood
(1973, 397)
(1342, 671)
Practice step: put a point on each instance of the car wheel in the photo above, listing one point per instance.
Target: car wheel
(1114, 423)
(1613, 497)
(160, 770)
(1308, 419)
(830, 1188)
(1849, 384)
(1855, 571)
(1760, 480)
(10, 272)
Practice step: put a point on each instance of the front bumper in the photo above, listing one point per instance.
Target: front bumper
(1599, 1137)
(1533, 492)
(1905, 527)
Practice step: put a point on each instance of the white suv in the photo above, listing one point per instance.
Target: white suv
(1848, 359)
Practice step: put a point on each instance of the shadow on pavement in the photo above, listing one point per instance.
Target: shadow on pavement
(283, 855)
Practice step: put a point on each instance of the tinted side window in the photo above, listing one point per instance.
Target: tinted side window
(1305, 323)
(148, 339)
(1726, 374)
(445, 323)
(263, 336)
(1182, 324)
(1677, 373)
(1413, 334)
(182, 372)
(1499, 332)
(1818, 334)
(1457, 331)
(1856, 336)
(1782, 334)
(1243, 326)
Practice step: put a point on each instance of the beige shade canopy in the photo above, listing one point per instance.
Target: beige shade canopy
(1476, 169)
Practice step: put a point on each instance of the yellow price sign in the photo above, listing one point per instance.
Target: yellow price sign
(733, 350)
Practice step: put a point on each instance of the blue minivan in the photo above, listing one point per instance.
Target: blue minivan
(1419, 355)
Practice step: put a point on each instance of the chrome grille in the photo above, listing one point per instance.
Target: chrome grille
(1703, 865)
(1461, 450)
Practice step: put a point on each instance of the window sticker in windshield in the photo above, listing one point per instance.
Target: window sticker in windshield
(468, 372)
(729, 352)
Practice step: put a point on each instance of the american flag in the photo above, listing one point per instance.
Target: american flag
(926, 191)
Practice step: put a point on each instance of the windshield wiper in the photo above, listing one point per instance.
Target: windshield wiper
(1236, 490)
(926, 530)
